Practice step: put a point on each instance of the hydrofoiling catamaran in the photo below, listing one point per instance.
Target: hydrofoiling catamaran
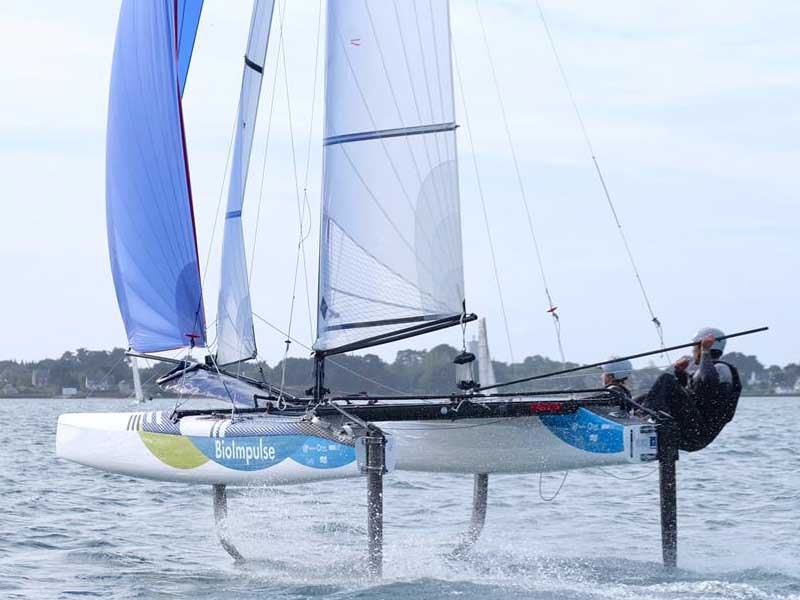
(390, 268)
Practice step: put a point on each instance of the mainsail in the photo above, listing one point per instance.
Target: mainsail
(390, 241)
(235, 336)
(150, 221)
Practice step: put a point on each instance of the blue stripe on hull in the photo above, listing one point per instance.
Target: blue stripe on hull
(257, 453)
(587, 431)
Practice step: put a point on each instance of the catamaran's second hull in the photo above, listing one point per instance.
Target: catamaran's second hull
(273, 450)
(535, 444)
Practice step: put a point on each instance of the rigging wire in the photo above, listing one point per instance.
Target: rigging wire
(266, 153)
(261, 188)
(179, 401)
(148, 364)
(551, 307)
(219, 204)
(109, 372)
(602, 470)
(483, 204)
(557, 492)
(330, 360)
(307, 173)
(221, 195)
(634, 478)
(654, 319)
(301, 204)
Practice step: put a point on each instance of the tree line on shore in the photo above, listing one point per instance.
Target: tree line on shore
(108, 373)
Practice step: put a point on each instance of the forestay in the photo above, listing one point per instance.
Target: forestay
(150, 222)
(235, 335)
(390, 243)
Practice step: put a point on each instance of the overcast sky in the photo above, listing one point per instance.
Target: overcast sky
(692, 108)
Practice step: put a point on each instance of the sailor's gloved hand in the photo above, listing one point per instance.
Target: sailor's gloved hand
(681, 364)
(707, 342)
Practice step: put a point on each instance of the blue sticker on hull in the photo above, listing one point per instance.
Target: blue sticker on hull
(262, 452)
(587, 431)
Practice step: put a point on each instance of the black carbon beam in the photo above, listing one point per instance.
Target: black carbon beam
(221, 521)
(667, 458)
(606, 362)
(376, 467)
(423, 326)
(480, 495)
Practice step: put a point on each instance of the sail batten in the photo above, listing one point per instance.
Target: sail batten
(390, 242)
(235, 333)
(383, 322)
(388, 133)
(151, 234)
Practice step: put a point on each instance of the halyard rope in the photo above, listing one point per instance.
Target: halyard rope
(483, 205)
(551, 307)
(656, 322)
(301, 205)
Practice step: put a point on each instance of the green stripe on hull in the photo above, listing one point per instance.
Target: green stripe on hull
(173, 450)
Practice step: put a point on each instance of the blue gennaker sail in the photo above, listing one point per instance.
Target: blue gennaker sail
(188, 12)
(151, 232)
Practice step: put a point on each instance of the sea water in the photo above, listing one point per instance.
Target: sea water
(68, 531)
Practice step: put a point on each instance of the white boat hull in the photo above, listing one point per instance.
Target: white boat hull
(275, 450)
(513, 445)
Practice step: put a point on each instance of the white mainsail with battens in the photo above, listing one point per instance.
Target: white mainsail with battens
(235, 335)
(390, 241)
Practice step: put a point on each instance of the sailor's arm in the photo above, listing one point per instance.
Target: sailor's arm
(706, 378)
(679, 368)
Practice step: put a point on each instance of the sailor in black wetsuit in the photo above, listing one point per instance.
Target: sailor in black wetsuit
(701, 393)
(615, 379)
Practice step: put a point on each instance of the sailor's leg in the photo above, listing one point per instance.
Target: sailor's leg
(667, 456)
(220, 520)
(376, 463)
(665, 393)
(480, 495)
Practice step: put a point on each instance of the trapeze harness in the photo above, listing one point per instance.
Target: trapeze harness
(713, 409)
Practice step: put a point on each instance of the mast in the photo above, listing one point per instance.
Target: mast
(391, 263)
(137, 380)
(235, 334)
(486, 374)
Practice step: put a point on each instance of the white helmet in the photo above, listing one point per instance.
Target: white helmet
(619, 370)
(717, 333)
